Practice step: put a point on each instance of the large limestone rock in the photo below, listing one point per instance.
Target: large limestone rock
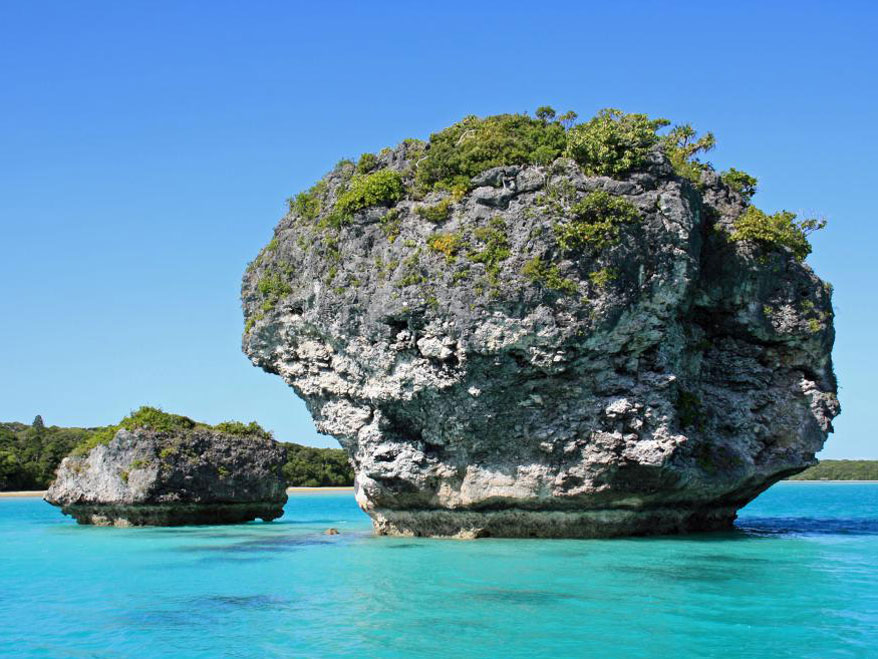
(495, 384)
(200, 476)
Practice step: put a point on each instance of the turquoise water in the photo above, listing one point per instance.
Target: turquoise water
(798, 579)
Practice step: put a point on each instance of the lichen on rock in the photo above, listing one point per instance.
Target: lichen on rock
(508, 342)
(171, 472)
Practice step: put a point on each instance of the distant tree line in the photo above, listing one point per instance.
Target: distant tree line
(30, 454)
(840, 470)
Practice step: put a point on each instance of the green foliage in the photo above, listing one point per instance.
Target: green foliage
(169, 452)
(840, 470)
(545, 113)
(474, 145)
(547, 275)
(596, 221)
(437, 213)
(777, 230)
(603, 277)
(682, 147)
(308, 205)
(242, 429)
(272, 245)
(740, 182)
(366, 163)
(272, 287)
(251, 321)
(317, 467)
(29, 454)
(381, 188)
(155, 419)
(613, 143)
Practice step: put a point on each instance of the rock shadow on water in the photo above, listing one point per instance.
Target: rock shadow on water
(521, 597)
(772, 526)
(232, 602)
(271, 544)
(211, 610)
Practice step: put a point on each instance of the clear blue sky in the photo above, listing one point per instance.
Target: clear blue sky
(146, 149)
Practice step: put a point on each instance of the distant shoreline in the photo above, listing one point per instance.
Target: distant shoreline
(290, 490)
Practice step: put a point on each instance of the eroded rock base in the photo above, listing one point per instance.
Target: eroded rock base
(514, 523)
(173, 515)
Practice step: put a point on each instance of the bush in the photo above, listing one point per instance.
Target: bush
(242, 429)
(308, 205)
(613, 143)
(548, 275)
(603, 277)
(382, 188)
(596, 221)
(682, 148)
(740, 182)
(778, 230)
(272, 287)
(475, 145)
(367, 162)
(155, 419)
(437, 213)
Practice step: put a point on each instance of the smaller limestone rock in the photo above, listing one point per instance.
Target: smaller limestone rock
(330, 532)
(193, 476)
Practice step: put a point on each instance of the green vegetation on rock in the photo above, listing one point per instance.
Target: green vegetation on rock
(309, 204)
(613, 143)
(780, 229)
(548, 275)
(437, 213)
(381, 188)
(682, 146)
(740, 182)
(474, 145)
(596, 221)
(272, 286)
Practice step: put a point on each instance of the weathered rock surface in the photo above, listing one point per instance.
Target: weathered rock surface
(474, 400)
(144, 477)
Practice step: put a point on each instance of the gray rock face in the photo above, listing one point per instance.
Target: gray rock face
(143, 477)
(652, 386)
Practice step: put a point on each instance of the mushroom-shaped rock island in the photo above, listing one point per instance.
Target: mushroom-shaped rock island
(533, 327)
(162, 469)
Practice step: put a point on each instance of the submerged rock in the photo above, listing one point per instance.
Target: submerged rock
(540, 351)
(193, 476)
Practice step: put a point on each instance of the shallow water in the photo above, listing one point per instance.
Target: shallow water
(799, 578)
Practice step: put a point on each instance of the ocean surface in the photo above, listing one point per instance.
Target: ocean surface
(799, 578)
